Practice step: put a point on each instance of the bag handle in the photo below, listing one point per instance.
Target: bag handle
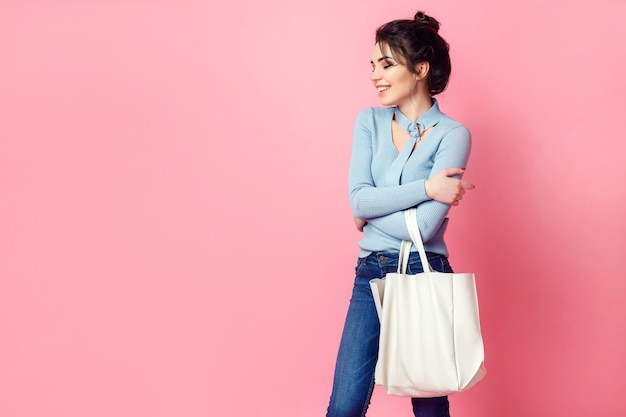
(405, 252)
(410, 217)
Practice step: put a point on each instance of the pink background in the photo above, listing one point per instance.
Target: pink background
(175, 234)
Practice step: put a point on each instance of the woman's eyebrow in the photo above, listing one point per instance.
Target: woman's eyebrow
(382, 58)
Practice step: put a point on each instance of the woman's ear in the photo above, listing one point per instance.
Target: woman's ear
(421, 70)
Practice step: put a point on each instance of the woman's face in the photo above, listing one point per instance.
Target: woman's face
(393, 80)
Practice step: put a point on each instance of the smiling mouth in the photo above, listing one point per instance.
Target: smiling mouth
(383, 88)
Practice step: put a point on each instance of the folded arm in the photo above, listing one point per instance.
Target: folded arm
(447, 190)
(367, 200)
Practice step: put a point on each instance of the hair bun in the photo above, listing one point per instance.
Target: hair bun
(425, 21)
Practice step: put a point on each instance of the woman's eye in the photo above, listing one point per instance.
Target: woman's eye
(385, 66)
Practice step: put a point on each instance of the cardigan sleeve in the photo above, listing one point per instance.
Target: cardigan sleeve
(366, 199)
(453, 152)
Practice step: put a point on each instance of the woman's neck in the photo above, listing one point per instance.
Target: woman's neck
(415, 108)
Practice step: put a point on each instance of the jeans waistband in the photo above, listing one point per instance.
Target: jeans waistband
(386, 257)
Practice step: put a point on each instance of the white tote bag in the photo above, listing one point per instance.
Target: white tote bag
(430, 339)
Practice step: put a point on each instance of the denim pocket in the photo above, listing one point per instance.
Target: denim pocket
(415, 267)
(360, 263)
(444, 265)
(437, 262)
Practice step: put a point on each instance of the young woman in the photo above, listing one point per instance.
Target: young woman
(406, 154)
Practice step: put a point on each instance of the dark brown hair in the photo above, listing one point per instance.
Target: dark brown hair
(416, 41)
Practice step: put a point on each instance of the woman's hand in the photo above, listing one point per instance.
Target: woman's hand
(447, 190)
(359, 223)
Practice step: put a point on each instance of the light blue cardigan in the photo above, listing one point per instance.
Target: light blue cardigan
(383, 182)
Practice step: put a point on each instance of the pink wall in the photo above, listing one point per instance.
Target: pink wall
(175, 236)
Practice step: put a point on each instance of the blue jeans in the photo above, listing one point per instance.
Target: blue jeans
(354, 371)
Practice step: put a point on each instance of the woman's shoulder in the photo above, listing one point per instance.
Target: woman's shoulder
(373, 114)
(450, 125)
